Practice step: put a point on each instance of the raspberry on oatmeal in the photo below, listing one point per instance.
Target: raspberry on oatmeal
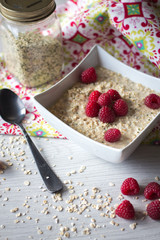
(112, 135)
(94, 96)
(89, 75)
(105, 100)
(106, 115)
(152, 101)
(92, 109)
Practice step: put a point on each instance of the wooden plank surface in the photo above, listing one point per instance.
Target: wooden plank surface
(81, 172)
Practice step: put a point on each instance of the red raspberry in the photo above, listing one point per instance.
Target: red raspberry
(120, 107)
(94, 96)
(114, 94)
(152, 101)
(130, 186)
(152, 191)
(89, 75)
(106, 115)
(153, 209)
(125, 210)
(112, 135)
(105, 100)
(92, 109)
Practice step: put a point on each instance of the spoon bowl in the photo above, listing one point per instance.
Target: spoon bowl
(12, 110)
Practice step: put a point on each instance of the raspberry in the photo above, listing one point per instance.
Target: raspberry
(89, 75)
(130, 186)
(94, 96)
(152, 101)
(152, 191)
(112, 135)
(106, 115)
(120, 107)
(92, 109)
(153, 209)
(125, 210)
(105, 100)
(114, 94)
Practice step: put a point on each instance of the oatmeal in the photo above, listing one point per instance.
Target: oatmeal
(71, 108)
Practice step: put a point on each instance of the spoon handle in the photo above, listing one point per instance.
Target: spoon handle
(50, 179)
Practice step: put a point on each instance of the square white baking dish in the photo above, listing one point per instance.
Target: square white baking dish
(96, 57)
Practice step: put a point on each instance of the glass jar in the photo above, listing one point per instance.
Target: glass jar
(31, 41)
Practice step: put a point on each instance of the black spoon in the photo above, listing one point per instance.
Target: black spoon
(12, 110)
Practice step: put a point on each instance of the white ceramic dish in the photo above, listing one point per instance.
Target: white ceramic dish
(96, 57)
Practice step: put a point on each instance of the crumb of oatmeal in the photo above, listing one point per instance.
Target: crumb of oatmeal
(111, 184)
(133, 226)
(14, 210)
(27, 183)
(122, 229)
(157, 178)
(49, 227)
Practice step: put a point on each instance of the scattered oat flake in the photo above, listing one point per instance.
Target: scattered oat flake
(120, 197)
(111, 184)
(92, 225)
(112, 222)
(73, 229)
(144, 200)
(86, 231)
(49, 227)
(133, 226)
(82, 168)
(6, 199)
(68, 174)
(60, 208)
(26, 183)
(157, 178)
(113, 215)
(66, 234)
(14, 210)
(18, 214)
(16, 221)
(39, 231)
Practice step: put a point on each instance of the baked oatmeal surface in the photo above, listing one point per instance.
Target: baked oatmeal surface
(71, 108)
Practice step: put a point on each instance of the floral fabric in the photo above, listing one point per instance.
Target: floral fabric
(127, 29)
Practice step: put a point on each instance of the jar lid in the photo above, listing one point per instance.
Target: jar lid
(26, 10)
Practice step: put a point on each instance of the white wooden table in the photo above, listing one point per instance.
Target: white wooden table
(37, 209)
(29, 211)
